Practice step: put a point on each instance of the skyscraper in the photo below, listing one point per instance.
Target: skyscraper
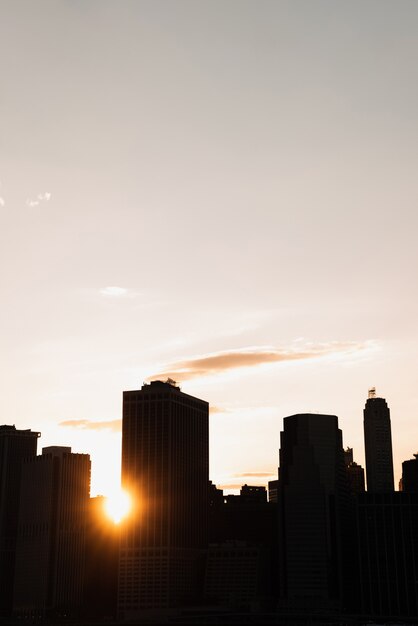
(378, 445)
(51, 539)
(15, 445)
(165, 468)
(313, 503)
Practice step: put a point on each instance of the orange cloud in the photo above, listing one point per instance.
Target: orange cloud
(216, 409)
(113, 425)
(219, 362)
(256, 475)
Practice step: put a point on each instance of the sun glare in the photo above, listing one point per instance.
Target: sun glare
(117, 506)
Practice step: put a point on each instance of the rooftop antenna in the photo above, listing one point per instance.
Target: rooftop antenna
(372, 392)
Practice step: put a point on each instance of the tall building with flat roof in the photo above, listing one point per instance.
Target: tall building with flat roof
(378, 445)
(165, 468)
(15, 445)
(55, 494)
(410, 475)
(313, 504)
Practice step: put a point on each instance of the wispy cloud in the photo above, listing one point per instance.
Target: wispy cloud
(40, 198)
(113, 425)
(117, 292)
(219, 362)
(44, 196)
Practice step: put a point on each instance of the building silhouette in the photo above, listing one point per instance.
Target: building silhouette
(165, 468)
(252, 493)
(50, 554)
(387, 527)
(378, 445)
(319, 543)
(314, 518)
(273, 486)
(243, 534)
(15, 445)
(410, 475)
(355, 473)
(348, 456)
(101, 566)
(236, 574)
(215, 496)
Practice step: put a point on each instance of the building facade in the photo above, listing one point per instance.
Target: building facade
(165, 468)
(313, 513)
(378, 445)
(55, 492)
(387, 527)
(236, 573)
(101, 566)
(15, 445)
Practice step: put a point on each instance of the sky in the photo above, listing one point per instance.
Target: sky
(223, 192)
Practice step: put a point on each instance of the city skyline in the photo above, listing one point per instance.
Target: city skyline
(221, 193)
(320, 543)
(120, 501)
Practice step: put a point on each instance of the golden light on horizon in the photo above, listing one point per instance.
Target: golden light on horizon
(118, 506)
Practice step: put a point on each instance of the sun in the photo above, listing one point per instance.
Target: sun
(118, 505)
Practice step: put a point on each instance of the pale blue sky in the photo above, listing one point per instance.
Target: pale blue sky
(244, 174)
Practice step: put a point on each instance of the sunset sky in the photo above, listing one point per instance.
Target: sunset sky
(220, 191)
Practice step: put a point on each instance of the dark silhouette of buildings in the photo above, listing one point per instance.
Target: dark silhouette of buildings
(215, 495)
(319, 548)
(50, 555)
(378, 445)
(165, 468)
(101, 566)
(242, 534)
(410, 475)
(313, 513)
(273, 486)
(348, 456)
(355, 473)
(15, 445)
(387, 526)
(236, 574)
(251, 493)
